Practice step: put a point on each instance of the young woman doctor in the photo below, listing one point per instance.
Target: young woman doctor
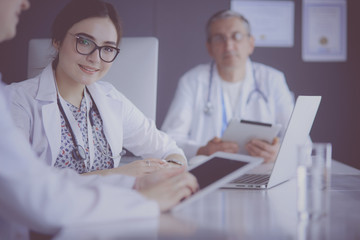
(74, 121)
(38, 197)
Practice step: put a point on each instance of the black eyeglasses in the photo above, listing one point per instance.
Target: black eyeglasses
(85, 46)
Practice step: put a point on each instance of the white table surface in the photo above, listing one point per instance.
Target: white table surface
(244, 214)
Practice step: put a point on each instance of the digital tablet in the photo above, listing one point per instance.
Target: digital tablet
(217, 170)
(243, 131)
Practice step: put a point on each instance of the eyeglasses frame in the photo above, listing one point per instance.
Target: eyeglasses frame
(95, 48)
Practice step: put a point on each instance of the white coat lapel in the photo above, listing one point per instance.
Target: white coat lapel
(218, 111)
(110, 111)
(51, 122)
(50, 112)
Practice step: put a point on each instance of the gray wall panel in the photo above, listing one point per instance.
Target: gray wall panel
(181, 31)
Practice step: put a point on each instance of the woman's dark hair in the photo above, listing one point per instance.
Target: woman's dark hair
(78, 10)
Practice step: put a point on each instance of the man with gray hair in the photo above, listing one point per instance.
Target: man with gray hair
(230, 87)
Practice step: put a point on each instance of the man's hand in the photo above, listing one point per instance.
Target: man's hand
(217, 145)
(263, 149)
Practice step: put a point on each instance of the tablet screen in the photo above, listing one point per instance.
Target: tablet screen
(215, 169)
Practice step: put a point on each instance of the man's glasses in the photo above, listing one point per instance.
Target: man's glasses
(85, 46)
(220, 39)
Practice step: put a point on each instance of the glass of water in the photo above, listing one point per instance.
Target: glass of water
(313, 180)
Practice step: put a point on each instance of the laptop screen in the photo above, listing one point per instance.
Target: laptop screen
(215, 169)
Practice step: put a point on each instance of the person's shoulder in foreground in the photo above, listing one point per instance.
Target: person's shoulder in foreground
(38, 197)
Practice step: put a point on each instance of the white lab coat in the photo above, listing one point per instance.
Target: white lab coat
(45, 199)
(35, 111)
(187, 123)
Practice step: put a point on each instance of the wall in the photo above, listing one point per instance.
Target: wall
(179, 25)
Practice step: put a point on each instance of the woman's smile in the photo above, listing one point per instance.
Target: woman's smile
(89, 70)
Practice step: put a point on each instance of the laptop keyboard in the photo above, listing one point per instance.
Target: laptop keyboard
(252, 179)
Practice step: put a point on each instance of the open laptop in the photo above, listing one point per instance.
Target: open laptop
(284, 168)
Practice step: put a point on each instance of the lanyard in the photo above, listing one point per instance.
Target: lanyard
(89, 128)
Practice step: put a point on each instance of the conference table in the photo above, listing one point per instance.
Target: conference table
(244, 214)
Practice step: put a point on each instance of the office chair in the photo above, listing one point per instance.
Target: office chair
(133, 73)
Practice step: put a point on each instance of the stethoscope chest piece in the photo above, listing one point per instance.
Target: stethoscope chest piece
(79, 153)
(208, 109)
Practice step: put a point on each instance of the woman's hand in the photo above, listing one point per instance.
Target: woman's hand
(260, 148)
(167, 187)
(136, 168)
(141, 167)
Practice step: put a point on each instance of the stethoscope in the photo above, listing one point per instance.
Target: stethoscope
(209, 107)
(78, 152)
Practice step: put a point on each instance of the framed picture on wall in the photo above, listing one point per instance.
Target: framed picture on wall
(272, 22)
(324, 34)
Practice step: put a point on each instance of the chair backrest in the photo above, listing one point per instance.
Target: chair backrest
(133, 73)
